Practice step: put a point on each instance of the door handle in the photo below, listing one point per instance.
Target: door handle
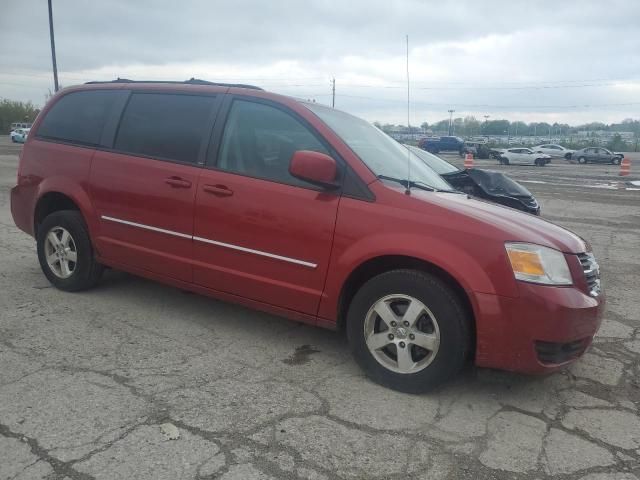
(219, 190)
(178, 182)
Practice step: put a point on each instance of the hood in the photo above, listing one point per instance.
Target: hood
(501, 222)
(496, 183)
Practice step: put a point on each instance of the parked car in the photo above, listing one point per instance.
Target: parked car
(493, 186)
(303, 211)
(442, 144)
(597, 155)
(554, 151)
(19, 135)
(477, 149)
(523, 156)
(16, 125)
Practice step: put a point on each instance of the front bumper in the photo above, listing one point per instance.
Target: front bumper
(542, 330)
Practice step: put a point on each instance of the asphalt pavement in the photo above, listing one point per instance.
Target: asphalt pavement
(134, 379)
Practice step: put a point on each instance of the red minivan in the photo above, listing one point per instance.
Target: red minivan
(304, 211)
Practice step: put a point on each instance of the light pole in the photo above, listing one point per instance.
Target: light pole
(450, 120)
(53, 49)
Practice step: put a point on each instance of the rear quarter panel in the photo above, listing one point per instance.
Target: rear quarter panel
(54, 167)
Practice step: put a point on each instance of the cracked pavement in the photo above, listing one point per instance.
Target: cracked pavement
(87, 380)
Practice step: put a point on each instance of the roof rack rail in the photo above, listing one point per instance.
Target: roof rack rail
(191, 81)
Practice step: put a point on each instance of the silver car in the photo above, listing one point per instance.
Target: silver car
(554, 150)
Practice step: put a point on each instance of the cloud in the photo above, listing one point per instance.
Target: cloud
(566, 61)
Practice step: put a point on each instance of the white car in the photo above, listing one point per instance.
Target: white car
(557, 151)
(20, 135)
(523, 156)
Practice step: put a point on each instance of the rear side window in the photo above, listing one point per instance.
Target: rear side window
(79, 117)
(167, 126)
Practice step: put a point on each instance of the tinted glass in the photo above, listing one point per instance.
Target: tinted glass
(79, 117)
(259, 141)
(168, 126)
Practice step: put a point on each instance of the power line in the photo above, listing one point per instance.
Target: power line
(282, 82)
(469, 105)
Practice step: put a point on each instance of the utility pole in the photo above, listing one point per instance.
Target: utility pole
(333, 93)
(450, 120)
(486, 122)
(53, 49)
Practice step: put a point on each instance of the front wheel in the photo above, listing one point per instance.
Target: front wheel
(65, 252)
(504, 161)
(616, 161)
(408, 330)
(582, 160)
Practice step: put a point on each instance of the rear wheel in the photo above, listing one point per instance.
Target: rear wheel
(582, 160)
(65, 252)
(408, 330)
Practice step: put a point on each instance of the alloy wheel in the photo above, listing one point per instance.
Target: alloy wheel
(60, 252)
(402, 334)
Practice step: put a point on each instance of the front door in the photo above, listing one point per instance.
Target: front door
(144, 190)
(522, 156)
(260, 233)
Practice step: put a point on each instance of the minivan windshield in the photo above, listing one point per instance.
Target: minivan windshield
(383, 155)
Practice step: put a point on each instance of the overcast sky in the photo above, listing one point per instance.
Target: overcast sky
(565, 61)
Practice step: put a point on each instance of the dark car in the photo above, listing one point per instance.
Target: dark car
(493, 186)
(442, 144)
(597, 155)
(477, 149)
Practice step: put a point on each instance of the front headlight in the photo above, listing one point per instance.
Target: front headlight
(538, 264)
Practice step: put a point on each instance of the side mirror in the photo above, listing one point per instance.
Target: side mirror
(315, 168)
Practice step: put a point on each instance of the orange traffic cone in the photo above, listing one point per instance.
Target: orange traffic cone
(468, 160)
(625, 167)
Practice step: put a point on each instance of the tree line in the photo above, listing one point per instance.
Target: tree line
(13, 111)
(470, 126)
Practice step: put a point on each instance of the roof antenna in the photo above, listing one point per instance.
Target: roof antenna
(408, 189)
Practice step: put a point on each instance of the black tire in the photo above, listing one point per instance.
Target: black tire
(582, 160)
(540, 162)
(504, 161)
(86, 271)
(616, 161)
(452, 320)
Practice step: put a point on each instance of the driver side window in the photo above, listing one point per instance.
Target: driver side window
(259, 141)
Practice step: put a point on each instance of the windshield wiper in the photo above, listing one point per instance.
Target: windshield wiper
(412, 183)
(418, 184)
